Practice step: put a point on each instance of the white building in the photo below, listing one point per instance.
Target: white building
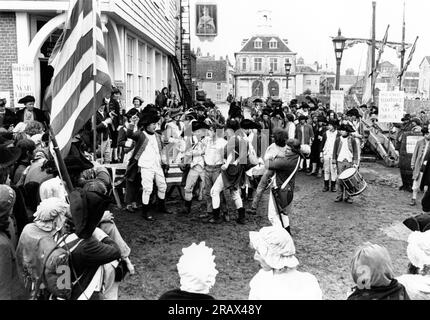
(424, 78)
(139, 37)
(262, 55)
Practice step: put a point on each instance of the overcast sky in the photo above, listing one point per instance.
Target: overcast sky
(308, 25)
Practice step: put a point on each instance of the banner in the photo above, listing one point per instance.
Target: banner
(23, 81)
(337, 100)
(288, 96)
(391, 106)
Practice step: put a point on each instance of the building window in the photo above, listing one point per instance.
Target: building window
(273, 44)
(218, 96)
(309, 82)
(140, 68)
(209, 75)
(258, 44)
(258, 64)
(218, 86)
(244, 64)
(274, 64)
(131, 67)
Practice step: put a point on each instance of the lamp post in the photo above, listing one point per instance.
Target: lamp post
(288, 71)
(339, 46)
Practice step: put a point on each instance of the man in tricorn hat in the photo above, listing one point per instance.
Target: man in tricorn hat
(30, 113)
(147, 156)
(345, 156)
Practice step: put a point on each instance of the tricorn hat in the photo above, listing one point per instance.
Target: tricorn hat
(27, 99)
(419, 223)
(148, 118)
(346, 127)
(302, 117)
(407, 117)
(197, 125)
(249, 124)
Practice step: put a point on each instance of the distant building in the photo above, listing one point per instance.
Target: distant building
(351, 84)
(410, 82)
(307, 79)
(260, 65)
(424, 78)
(387, 77)
(215, 77)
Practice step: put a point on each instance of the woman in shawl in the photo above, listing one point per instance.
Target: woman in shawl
(372, 271)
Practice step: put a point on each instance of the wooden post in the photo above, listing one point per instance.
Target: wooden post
(373, 50)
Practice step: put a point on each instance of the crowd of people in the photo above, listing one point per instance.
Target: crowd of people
(223, 160)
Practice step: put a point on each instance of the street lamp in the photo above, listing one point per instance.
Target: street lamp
(339, 46)
(288, 71)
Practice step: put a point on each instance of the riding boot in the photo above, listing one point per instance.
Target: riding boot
(333, 186)
(241, 216)
(162, 206)
(326, 185)
(216, 219)
(145, 213)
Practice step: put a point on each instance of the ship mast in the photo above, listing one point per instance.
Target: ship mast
(403, 50)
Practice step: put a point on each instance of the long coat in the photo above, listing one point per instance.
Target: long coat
(38, 115)
(418, 157)
(140, 145)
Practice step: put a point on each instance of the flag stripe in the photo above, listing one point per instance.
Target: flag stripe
(71, 95)
(68, 109)
(84, 45)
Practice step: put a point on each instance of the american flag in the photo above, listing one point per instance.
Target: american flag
(79, 59)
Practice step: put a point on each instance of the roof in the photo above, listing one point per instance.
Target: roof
(249, 45)
(305, 69)
(427, 58)
(217, 67)
(386, 64)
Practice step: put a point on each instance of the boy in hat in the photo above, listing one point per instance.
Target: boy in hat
(345, 156)
(418, 162)
(194, 157)
(327, 145)
(305, 134)
(147, 155)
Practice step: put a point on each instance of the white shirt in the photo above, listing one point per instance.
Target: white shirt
(151, 157)
(329, 144)
(288, 285)
(345, 153)
(274, 151)
(291, 127)
(214, 152)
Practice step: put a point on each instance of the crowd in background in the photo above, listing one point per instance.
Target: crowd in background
(223, 160)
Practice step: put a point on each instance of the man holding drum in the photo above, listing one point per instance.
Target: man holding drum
(345, 156)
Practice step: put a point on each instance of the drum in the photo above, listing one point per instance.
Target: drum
(353, 182)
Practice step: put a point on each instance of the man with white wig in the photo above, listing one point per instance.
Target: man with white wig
(197, 271)
(417, 282)
(279, 278)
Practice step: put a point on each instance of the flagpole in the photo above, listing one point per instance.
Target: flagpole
(95, 8)
(62, 166)
(403, 50)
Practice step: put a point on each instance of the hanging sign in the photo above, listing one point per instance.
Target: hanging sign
(206, 20)
(391, 106)
(337, 100)
(23, 81)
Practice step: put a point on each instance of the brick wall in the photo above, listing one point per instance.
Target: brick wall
(8, 51)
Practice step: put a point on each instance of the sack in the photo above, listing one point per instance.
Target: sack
(55, 275)
(284, 197)
(121, 271)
